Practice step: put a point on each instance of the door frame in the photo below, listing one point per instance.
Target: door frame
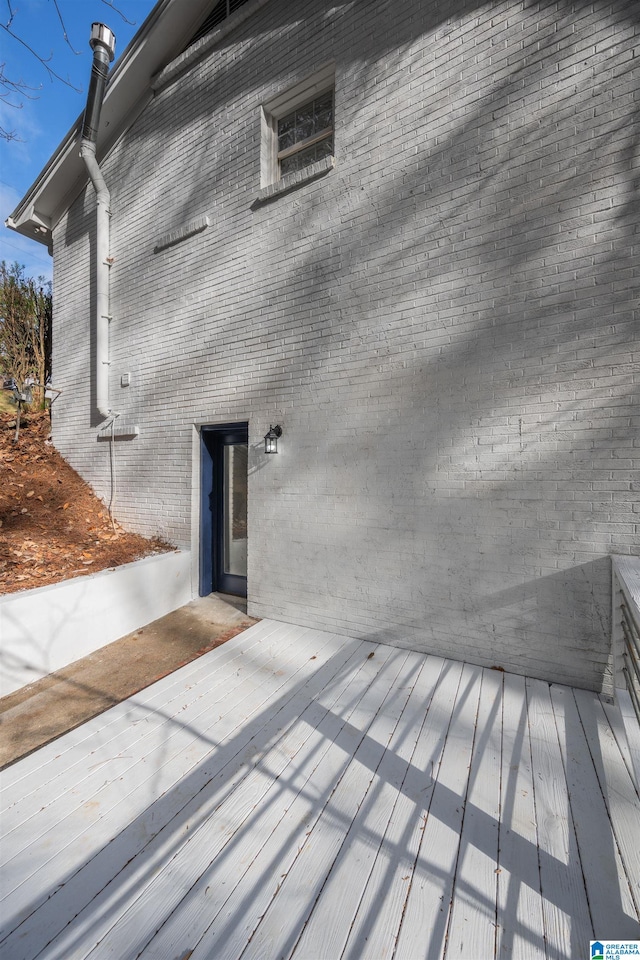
(213, 439)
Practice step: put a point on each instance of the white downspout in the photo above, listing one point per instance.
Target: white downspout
(103, 213)
(103, 45)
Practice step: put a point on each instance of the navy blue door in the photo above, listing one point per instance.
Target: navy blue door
(223, 509)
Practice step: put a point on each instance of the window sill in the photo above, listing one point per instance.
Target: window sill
(293, 180)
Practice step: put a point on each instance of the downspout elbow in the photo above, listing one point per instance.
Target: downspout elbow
(88, 154)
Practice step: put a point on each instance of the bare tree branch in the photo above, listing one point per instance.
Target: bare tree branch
(12, 13)
(8, 87)
(109, 3)
(44, 61)
(13, 88)
(64, 30)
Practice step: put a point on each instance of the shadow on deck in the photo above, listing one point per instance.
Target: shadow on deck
(298, 794)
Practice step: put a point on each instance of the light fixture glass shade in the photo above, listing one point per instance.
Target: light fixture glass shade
(271, 439)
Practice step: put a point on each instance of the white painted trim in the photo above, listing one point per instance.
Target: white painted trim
(292, 180)
(181, 233)
(320, 81)
(123, 432)
(195, 507)
(43, 630)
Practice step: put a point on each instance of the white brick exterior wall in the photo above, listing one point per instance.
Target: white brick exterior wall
(444, 325)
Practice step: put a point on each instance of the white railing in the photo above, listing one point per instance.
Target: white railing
(625, 639)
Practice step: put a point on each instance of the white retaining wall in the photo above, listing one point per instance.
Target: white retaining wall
(43, 630)
(444, 324)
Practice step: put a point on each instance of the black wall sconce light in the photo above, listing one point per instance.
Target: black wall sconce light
(271, 439)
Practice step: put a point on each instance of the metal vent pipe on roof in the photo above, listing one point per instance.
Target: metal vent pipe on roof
(103, 44)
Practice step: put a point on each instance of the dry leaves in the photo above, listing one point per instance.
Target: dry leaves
(65, 530)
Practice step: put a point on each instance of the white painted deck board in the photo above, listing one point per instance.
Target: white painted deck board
(43, 766)
(564, 902)
(141, 717)
(382, 773)
(375, 927)
(218, 802)
(92, 812)
(119, 835)
(177, 709)
(423, 931)
(472, 921)
(298, 794)
(249, 816)
(266, 852)
(339, 902)
(342, 797)
(605, 736)
(612, 910)
(520, 930)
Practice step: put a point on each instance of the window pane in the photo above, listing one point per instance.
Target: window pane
(302, 124)
(286, 139)
(317, 151)
(325, 101)
(324, 148)
(291, 164)
(305, 124)
(324, 111)
(324, 119)
(286, 131)
(287, 124)
(235, 509)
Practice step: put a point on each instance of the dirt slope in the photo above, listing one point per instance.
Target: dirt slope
(52, 527)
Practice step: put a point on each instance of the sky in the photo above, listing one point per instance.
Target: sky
(42, 119)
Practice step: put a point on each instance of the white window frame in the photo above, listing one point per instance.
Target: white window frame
(320, 82)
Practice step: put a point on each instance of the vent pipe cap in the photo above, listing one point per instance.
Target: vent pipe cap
(102, 36)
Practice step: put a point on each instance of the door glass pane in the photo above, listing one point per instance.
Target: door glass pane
(235, 509)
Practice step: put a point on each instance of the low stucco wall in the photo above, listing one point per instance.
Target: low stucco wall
(45, 629)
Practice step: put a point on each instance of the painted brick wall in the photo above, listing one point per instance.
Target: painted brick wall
(445, 325)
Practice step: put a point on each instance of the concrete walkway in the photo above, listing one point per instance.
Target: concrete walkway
(44, 710)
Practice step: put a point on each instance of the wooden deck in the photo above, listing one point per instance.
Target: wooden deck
(297, 794)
